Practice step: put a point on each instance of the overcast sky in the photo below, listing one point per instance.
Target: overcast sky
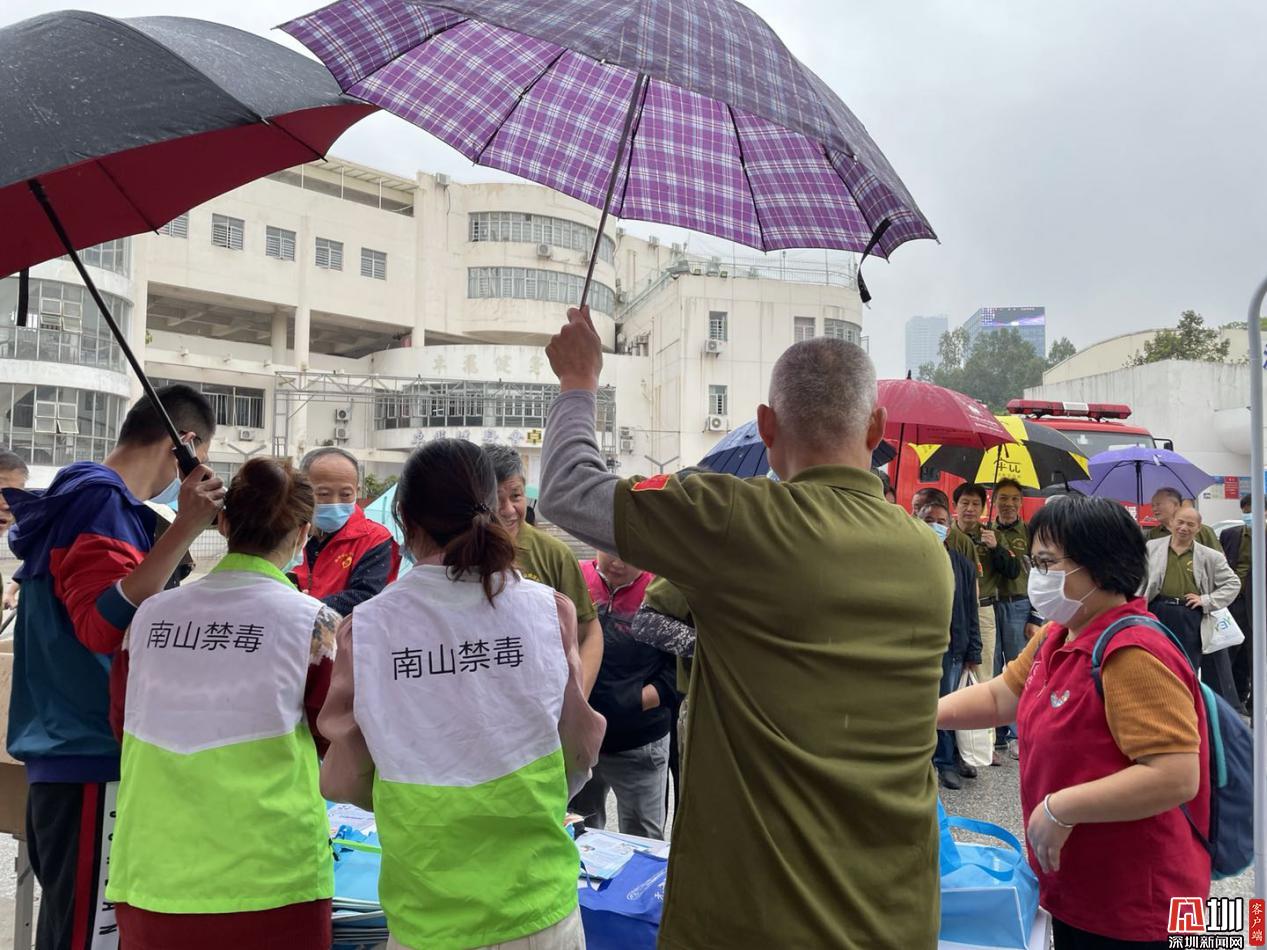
(1105, 160)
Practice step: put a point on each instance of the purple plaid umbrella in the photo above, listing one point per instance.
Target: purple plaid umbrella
(723, 130)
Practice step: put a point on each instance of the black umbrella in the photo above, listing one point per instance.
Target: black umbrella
(113, 127)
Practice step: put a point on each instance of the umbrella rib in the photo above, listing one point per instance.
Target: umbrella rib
(523, 94)
(744, 166)
(633, 137)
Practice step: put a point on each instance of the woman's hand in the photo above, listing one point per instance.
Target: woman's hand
(1046, 838)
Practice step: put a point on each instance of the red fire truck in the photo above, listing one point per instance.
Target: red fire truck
(1093, 427)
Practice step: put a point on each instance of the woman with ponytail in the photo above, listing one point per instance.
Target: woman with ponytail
(468, 731)
(221, 833)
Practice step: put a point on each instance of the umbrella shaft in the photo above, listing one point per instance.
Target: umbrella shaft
(184, 454)
(640, 85)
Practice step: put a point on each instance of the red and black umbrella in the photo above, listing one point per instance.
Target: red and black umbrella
(113, 127)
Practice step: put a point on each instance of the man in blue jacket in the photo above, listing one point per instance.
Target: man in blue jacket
(89, 560)
(964, 649)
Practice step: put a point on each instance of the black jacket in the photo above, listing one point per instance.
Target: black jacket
(628, 666)
(965, 628)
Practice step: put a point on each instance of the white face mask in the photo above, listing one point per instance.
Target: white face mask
(1047, 596)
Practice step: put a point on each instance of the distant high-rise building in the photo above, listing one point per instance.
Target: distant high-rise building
(1030, 322)
(922, 336)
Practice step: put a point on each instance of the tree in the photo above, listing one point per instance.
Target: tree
(1190, 340)
(1061, 350)
(375, 486)
(996, 368)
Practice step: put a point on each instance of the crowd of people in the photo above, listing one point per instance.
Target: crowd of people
(474, 700)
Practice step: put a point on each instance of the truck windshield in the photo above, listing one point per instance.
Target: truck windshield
(1094, 441)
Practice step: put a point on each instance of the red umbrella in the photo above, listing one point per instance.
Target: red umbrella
(923, 414)
(112, 127)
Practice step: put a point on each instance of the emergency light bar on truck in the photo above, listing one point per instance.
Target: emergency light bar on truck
(1038, 408)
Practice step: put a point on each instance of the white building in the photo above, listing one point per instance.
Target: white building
(336, 304)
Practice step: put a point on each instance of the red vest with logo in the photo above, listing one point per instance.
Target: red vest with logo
(329, 575)
(1116, 878)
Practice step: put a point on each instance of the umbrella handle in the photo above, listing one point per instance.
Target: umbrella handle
(640, 86)
(185, 457)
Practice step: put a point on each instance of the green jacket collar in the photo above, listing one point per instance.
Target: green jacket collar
(251, 564)
(841, 476)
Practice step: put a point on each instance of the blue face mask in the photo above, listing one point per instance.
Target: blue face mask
(330, 518)
(294, 562)
(1248, 519)
(169, 494)
(939, 529)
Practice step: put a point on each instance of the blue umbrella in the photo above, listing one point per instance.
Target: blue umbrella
(1137, 472)
(742, 453)
(380, 510)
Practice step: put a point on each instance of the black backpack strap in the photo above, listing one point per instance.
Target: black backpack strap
(1102, 644)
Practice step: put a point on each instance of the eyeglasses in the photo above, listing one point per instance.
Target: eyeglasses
(1041, 564)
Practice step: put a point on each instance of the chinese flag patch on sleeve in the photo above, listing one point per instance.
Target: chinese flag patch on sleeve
(654, 483)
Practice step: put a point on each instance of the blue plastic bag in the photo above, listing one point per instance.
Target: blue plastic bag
(624, 913)
(991, 898)
(949, 848)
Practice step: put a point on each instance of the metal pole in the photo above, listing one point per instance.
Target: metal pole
(640, 85)
(1258, 589)
(185, 457)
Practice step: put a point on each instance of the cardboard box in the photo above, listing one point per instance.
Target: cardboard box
(12, 772)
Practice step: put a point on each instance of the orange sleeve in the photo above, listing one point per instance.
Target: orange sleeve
(1150, 711)
(1016, 672)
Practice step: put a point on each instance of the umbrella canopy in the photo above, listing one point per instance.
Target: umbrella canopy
(1040, 457)
(128, 123)
(1136, 473)
(743, 453)
(728, 132)
(922, 413)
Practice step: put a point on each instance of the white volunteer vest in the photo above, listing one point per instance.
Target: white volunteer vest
(454, 691)
(220, 661)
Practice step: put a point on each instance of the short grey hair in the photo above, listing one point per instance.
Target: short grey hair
(307, 461)
(823, 392)
(507, 462)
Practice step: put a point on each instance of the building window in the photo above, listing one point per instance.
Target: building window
(112, 255)
(177, 227)
(240, 407)
(836, 329)
(530, 283)
(279, 243)
(718, 401)
(228, 232)
(519, 228)
(63, 325)
(57, 425)
(373, 264)
(446, 404)
(802, 329)
(717, 324)
(329, 254)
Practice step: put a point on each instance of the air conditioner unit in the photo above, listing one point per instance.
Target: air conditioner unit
(723, 273)
(714, 347)
(342, 415)
(753, 273)
(545, 251)
(246, 435)
(585, 257)
(626, 445)
(442, 180)
(340, 433)
(676, 248)
(626, 432)
(677, 268)
(653, 241)
(697, 270)
(716, 424)
(620, 233)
